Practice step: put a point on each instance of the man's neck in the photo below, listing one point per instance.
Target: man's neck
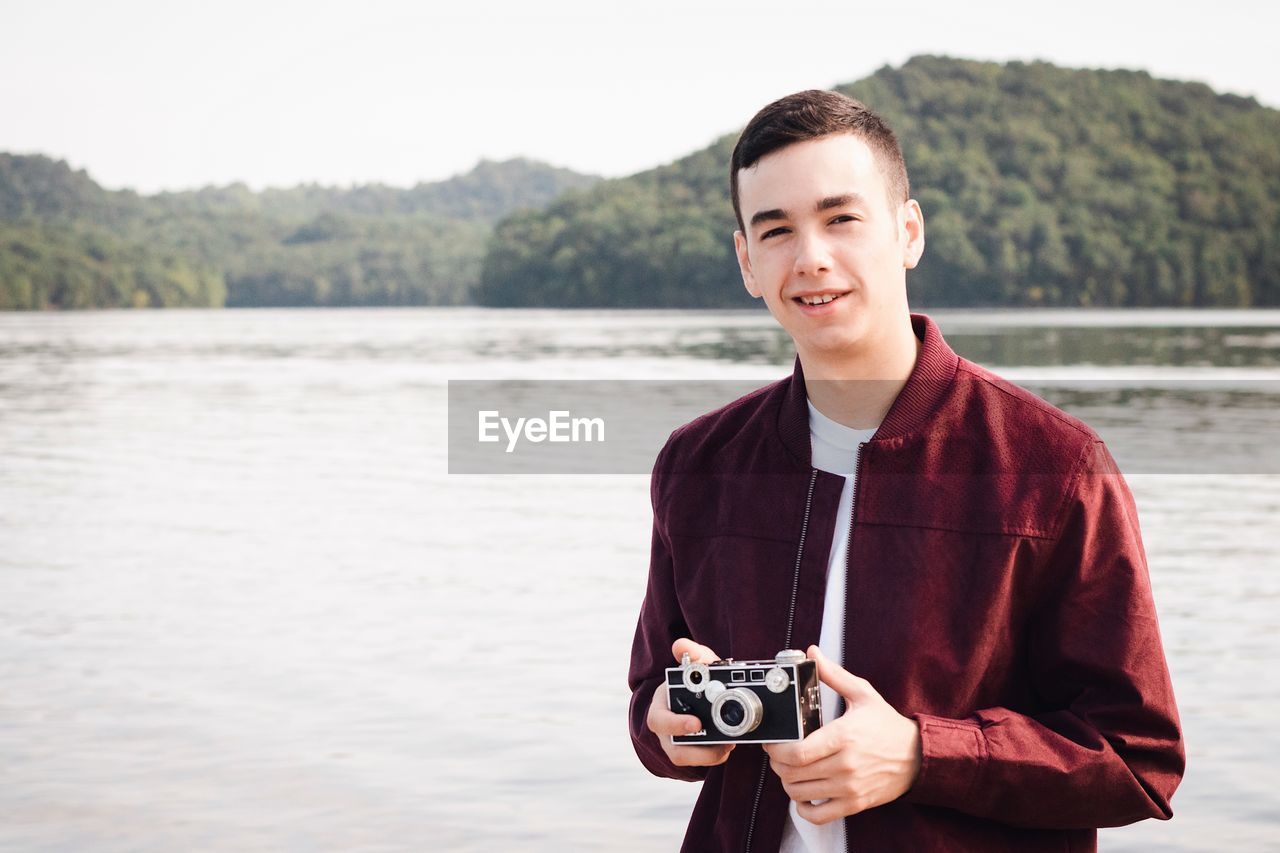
(858, 392)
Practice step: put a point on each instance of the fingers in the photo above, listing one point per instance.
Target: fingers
(665, 723)
(815, 791)
(825, 742)
(698, 756)
(816, 786)
(832, 809)
(697, 651)
(824, 768)
(839, 679)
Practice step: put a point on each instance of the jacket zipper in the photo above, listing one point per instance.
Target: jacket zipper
(791, 618)
(795, 577)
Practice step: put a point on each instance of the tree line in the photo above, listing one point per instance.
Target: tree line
(66, 242)
(1041, 186)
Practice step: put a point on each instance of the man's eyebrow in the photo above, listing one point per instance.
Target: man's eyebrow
(768, 216)
(831, 201)
(839, 201)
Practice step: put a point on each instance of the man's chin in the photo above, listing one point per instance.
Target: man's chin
(840, 344)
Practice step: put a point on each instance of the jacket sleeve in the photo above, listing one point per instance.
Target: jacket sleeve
(1108, 749)
(661, 623)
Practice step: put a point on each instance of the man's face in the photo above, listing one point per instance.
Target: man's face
(820, 228)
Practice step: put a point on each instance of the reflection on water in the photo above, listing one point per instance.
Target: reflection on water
(1138, 338)
(1001, 345)
(243, 607)
(1176, 347)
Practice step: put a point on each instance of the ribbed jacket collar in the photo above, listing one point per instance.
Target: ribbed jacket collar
(929, 381)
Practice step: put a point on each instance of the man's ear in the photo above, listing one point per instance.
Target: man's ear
(744, 264)
(912, 233)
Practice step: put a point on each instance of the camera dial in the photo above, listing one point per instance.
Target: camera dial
(777, 679)
(737, 711)
(695, 675)
(789, 656)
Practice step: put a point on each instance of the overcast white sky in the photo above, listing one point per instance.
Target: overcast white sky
(169, 94)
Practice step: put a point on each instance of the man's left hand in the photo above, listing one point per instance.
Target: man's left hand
(868, 757)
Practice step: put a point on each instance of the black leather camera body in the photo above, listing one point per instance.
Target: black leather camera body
(757, 701)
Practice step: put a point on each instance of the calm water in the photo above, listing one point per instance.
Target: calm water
(244, 607)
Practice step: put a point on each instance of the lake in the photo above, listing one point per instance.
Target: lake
(245, 606)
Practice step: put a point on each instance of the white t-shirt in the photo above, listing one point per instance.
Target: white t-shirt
(835, 450)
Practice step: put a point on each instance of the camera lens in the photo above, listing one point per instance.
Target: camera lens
(695, 677)
(737, 711)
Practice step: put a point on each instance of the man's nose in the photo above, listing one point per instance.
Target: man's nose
(813, 255)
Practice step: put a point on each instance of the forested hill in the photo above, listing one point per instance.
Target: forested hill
(65, 242)
(1040, 186)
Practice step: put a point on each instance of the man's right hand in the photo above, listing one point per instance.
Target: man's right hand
(665, 723)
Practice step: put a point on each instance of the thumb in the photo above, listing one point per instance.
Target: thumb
(839, 679)
(697, 651)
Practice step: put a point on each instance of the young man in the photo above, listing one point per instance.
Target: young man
(962, 559)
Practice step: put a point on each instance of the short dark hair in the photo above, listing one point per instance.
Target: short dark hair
(812, 114)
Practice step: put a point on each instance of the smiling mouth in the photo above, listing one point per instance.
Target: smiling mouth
(822, 299)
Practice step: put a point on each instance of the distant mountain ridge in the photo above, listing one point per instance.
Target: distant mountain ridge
(488, 192)
(37, 187)
(33, 185)
(66, 242)
(1040, 186)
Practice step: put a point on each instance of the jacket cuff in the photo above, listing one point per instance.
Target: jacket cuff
(952, 756)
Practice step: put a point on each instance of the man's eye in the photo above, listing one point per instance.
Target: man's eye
(844, 217)
(773, 232)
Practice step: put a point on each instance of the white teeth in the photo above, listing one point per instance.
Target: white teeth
(817, 300)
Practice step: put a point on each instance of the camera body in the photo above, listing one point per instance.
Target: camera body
(755, 701)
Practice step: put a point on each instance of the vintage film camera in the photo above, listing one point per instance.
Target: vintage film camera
(754, 701)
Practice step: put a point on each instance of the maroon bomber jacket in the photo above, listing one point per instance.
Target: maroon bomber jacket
(997, 592)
